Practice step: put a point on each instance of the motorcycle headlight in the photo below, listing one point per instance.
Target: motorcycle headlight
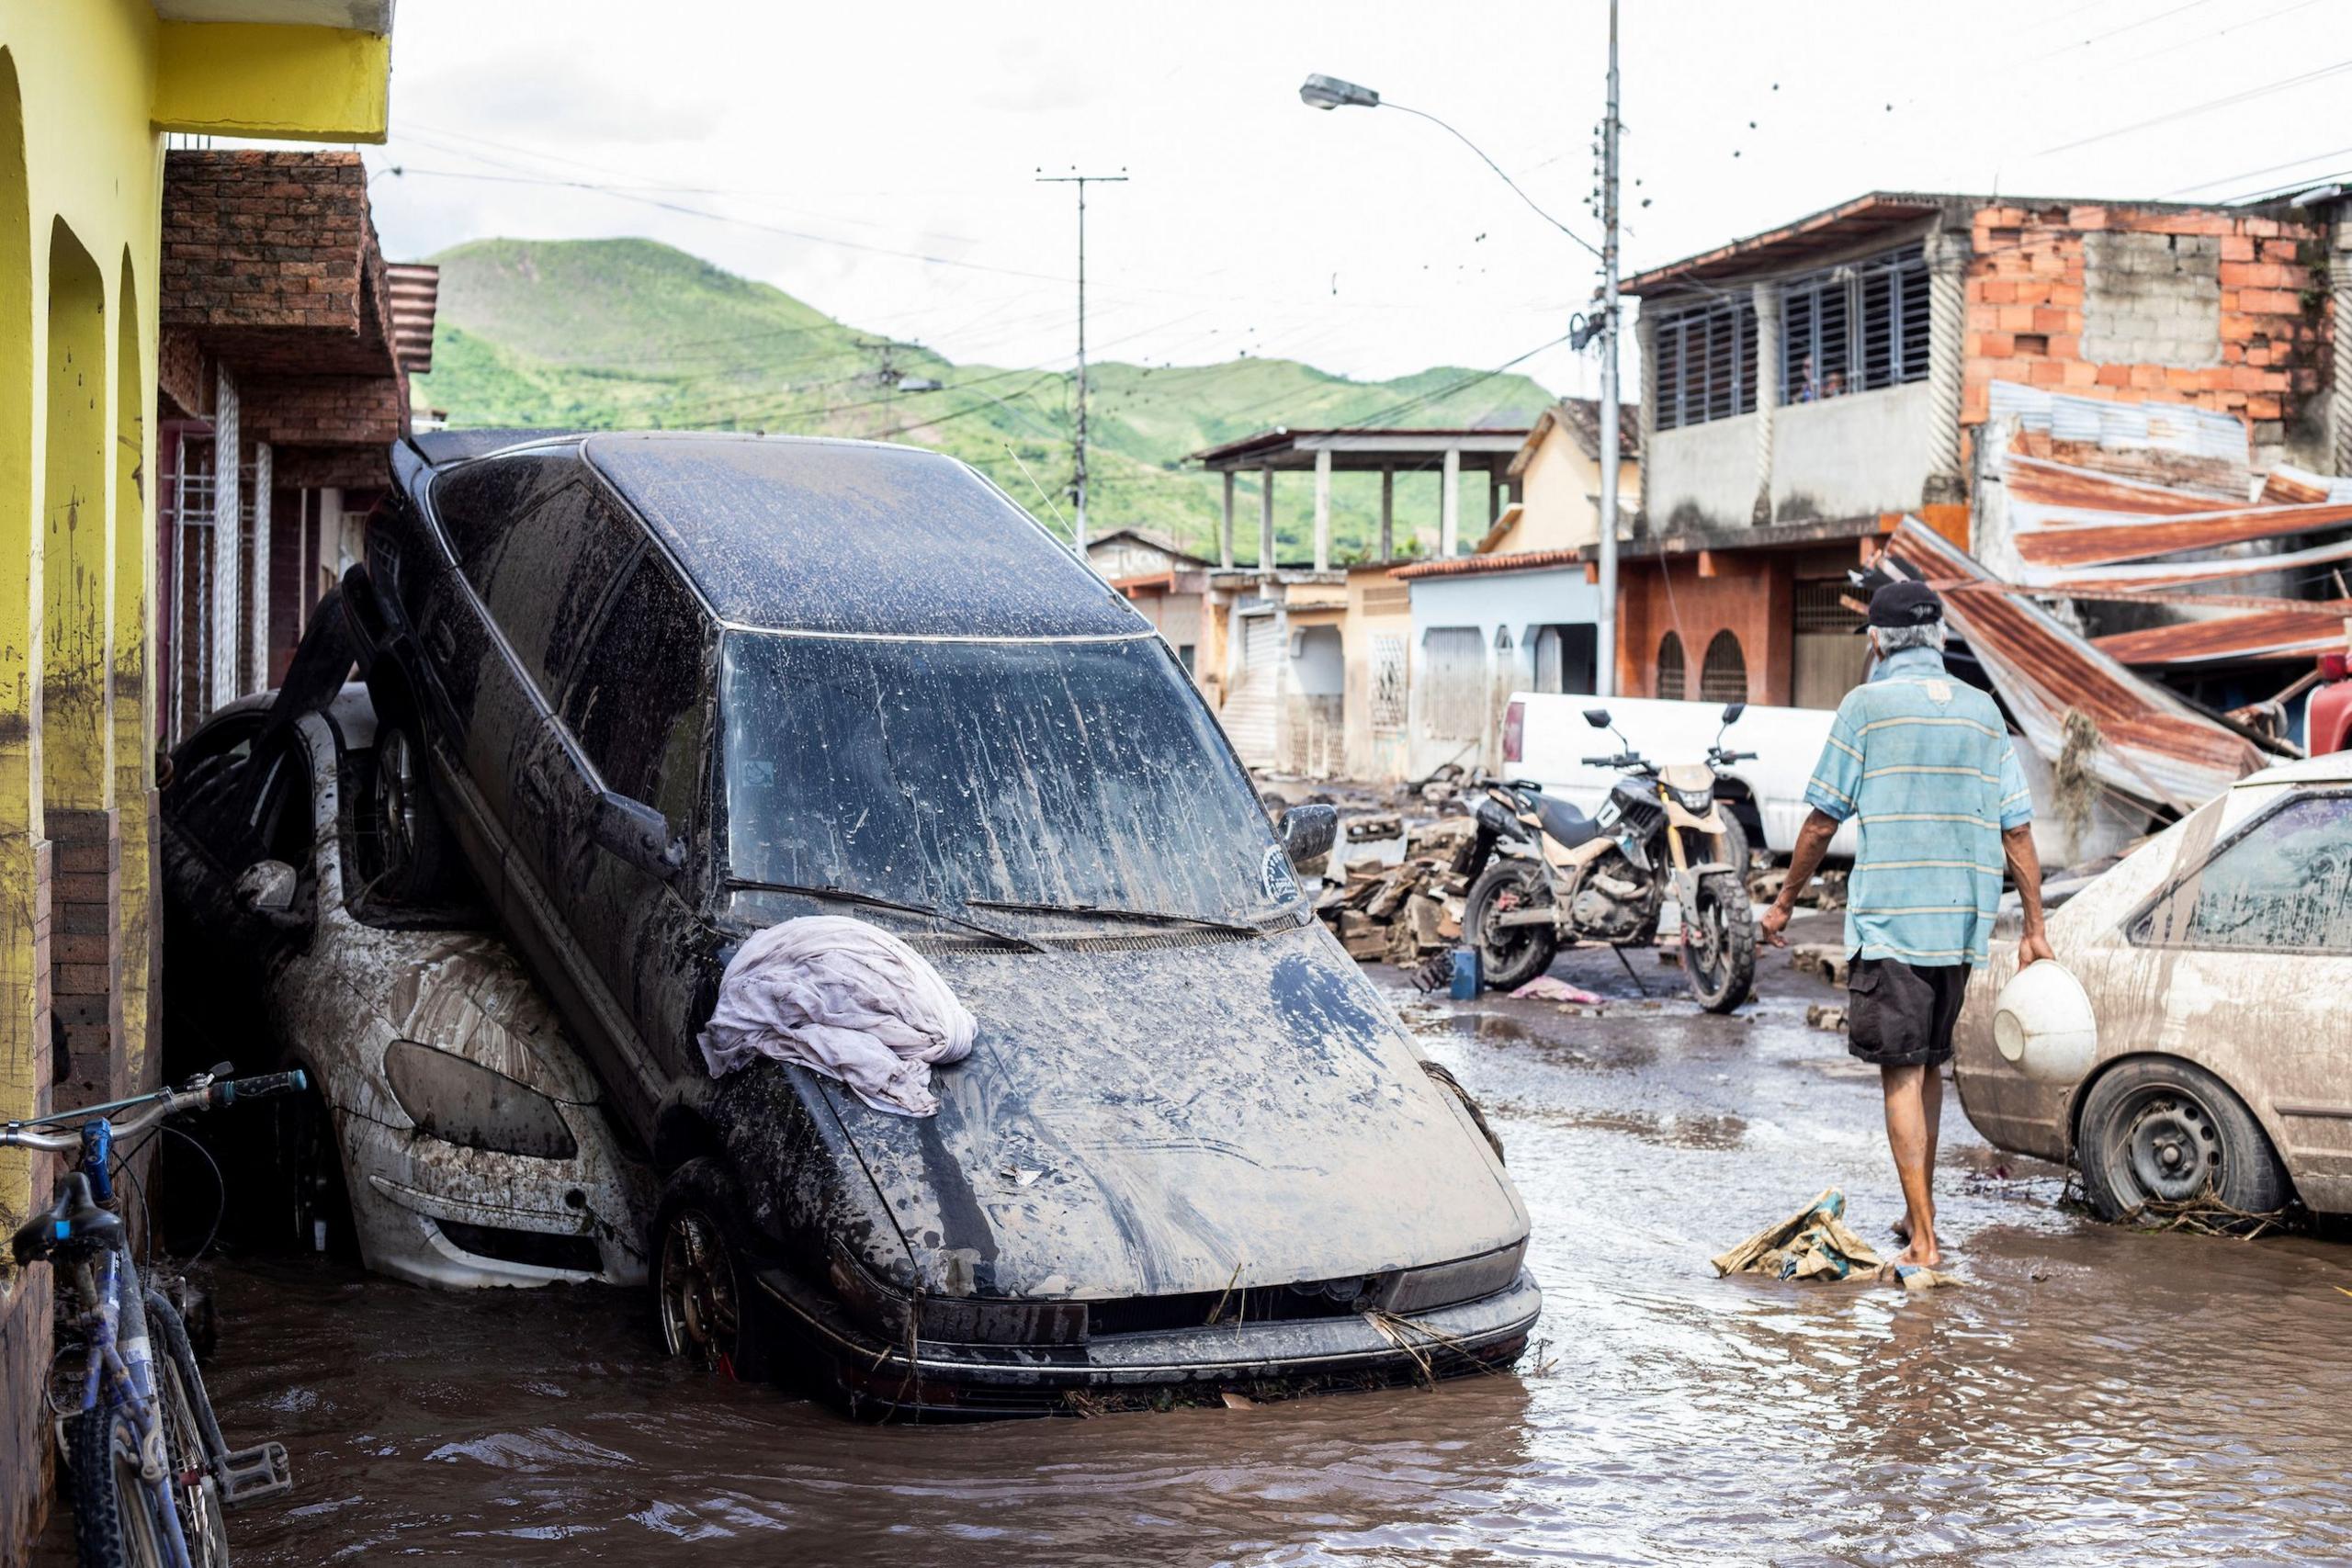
(466, 1103)
(1698, 802)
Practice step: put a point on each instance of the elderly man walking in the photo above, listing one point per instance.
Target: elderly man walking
(1923, 761)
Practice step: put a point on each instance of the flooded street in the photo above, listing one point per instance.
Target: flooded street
(2090, 1395)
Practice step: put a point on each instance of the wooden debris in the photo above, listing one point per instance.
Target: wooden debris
(1405, 910)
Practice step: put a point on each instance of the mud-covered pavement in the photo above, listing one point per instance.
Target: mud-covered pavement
(2090, 1396)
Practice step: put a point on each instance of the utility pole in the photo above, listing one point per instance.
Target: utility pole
(1605, 671)
(1077, 481)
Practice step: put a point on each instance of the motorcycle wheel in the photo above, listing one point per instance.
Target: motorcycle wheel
(1719, 943)
(1511, 956)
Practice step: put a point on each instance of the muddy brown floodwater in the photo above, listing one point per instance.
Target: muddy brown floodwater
(2089, 1396)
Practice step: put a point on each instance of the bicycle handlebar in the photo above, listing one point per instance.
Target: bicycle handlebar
(162, 1104)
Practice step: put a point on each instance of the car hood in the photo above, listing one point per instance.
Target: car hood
(1157, 1114)
(465, 992)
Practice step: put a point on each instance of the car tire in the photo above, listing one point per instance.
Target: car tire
(1514, 954)
(708, 1307)
(411, 840)
(2156, 1129)
(318, 1193)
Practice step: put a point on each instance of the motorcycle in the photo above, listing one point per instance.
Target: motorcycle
(1544, 874)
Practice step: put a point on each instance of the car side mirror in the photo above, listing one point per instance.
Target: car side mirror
(267, 889)
(636, 834)
(1597, 718)
(1732, 712)
(1307, 833)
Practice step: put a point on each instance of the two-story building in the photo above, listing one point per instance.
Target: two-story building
(1805, 386)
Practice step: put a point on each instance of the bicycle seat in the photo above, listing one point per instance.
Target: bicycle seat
(1564, 822)
(72, 1217)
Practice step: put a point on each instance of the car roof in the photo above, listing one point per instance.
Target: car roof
(856, 538)
(2328, 767)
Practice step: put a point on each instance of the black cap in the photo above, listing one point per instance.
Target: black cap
(1905, 604)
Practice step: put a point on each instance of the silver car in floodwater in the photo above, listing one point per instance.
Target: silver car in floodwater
(2217, 958)
(457, 1139)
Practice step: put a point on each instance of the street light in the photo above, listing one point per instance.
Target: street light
(1332, 92)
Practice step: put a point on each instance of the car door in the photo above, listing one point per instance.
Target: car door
(633, 719)
(478, 697)
(2254, 940)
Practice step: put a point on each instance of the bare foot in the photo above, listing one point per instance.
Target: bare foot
(1901, 1229)
(1922, 1253)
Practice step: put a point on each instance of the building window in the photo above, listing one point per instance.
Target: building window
(1387, 684)
(1724, 677)
(1705, 364)
(1670, 684)
(1184, 656)
(1855, 328)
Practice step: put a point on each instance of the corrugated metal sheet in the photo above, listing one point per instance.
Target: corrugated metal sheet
(2166, 427)
(2153, 747)
(2142, 538)
(2263, 633)
(2177, 574)
(2288, 485)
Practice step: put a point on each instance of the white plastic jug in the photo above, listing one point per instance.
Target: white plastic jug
(2042, 1021)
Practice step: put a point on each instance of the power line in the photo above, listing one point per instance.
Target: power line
(2246, 95)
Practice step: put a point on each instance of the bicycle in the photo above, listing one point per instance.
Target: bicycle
(151, 1474)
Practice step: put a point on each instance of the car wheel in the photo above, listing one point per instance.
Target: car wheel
(319, 1201)
(710, 1310)
(1512, 956)
(410, 838)
(2159, 1130)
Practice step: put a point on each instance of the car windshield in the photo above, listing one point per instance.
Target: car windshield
(941, 773)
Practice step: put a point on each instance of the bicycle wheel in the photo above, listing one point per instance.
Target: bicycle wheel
(194, 1492)
(117, 1522)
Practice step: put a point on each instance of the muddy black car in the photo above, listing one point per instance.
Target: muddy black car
(659, 691)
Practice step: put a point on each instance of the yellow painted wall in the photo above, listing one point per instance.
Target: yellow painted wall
(248, 79)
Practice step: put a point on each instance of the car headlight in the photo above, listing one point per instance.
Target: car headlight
(1446, 1284)
(466, 1103)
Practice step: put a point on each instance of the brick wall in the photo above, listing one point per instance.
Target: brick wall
(321, 410)
(2218, 309)
(263, 239)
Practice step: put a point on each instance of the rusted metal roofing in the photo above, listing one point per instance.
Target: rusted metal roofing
(2153, 747)
(2106, 543)
(1791, 245)
(2261, 633)
(2287, 485)
(2179, 574)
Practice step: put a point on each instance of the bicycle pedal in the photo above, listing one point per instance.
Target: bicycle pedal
(256, 1474)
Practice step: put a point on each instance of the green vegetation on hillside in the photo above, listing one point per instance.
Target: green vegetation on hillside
(612, 333)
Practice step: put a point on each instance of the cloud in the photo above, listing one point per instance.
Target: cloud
(558, 100)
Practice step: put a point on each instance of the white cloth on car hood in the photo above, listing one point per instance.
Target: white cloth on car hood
(842, 998)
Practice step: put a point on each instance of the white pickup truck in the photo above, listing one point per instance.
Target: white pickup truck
(1545, 737)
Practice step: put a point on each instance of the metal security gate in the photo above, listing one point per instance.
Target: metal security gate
(1257, 695)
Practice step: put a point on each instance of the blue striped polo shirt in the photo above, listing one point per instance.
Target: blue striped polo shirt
(1925, 762)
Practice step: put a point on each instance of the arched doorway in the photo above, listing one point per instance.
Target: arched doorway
(1671, 684)
(1724, 677)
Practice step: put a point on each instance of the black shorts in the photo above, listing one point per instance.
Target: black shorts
(1902, 1016)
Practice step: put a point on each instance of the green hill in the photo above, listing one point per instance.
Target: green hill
(633, 334)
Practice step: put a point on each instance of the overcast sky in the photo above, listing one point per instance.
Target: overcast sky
(842, 144)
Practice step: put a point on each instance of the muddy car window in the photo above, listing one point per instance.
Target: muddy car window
(632, 704)
(545, 577)
(475, 504)
(1063, 773)
(2285, 885)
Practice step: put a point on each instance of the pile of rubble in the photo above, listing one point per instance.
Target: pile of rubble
(1406, 910)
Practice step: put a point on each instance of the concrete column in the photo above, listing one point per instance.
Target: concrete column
(228, 525)
(1494, 498)
(2339, 403)
(1645, 334)
(1265, 520)
(1323, 511)
(1767, 393)
(1387, 514)
(1949, 250)
(1449, 516)
(1225, 533)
